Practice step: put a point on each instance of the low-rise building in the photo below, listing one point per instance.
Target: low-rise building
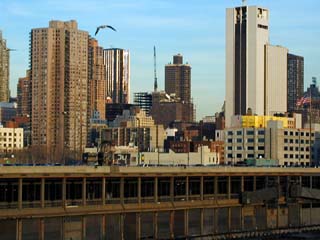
(290, 146)
(202, 157)
(11, 139)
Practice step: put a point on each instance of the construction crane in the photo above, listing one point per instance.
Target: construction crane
(155, 69)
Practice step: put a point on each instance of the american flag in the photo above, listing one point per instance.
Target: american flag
(303, 100)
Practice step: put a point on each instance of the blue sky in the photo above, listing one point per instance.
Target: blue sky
(194, 28)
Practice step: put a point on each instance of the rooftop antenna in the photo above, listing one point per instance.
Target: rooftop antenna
(244, 2)
(155, 69)
(314, 80)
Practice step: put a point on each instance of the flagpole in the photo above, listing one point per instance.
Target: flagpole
(310, 150)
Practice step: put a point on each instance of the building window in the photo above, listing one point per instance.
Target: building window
(239, 140)
(230, 133)
(261, 140)
(230, 155)
(302, 134)
(229, 140)
(239, 133)
(260, 147)
(291, 156)
(302, 149)
(250, 155)
(230, 148)
(261, 132)
(250, 140)
(285, 148)
(239, 155)
(250, 148)
(291, 140)
(285, 133)
(286, 156)
(285, 140)
(239, 148)
(250, 132)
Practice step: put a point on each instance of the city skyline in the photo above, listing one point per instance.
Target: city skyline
(197, 31)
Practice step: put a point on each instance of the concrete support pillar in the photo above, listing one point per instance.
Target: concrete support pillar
(121, 219)
(20, 193)
(155, 225)
(122, 190)
(103, 226)
(42, 193)
(64, 190)
(103, 191)
(254, 183)
(201, 221)
(187, 188)
(172, 224)
(186, 222)
(84, 191)
(19, 229)
(242, 218)
(172, 189)
(138, 225)
(242, 183)
(229, 187)
(311, 178)
(41, 229)
(155, 189)
(201, 189)
(139, 190)
(229, 219)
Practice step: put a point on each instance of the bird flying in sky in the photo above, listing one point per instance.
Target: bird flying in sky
(104, 26)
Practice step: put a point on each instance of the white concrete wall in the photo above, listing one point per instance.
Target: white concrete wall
(205, 158)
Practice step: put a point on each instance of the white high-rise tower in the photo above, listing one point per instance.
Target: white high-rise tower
(247, 33)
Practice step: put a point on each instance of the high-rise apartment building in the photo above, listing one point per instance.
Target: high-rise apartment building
(143, 100)
(178, 79)
(4, 70)
(247, 33)
(97, 80)
(117, 63)
(24, 95)
(295, 80)
(59, 83)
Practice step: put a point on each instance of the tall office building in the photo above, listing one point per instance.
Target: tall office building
(4, 70)
(117, 63)
(275, 82)
(178, 79)
(59, 82)
(295, 80)
(97, 80)
(247, 33)
(24, 95)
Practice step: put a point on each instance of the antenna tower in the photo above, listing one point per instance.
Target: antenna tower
(155, 69)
